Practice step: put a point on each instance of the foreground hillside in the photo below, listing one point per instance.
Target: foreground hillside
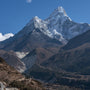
(11, 59)
(11, 78)
(7, 73)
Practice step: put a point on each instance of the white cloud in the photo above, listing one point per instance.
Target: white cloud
(29, 1)
(5, 36)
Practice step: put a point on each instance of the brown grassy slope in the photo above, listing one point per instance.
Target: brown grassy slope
(7, 73)
(12, 78)
(11, 59)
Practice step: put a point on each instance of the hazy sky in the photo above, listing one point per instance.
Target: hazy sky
(15, 14)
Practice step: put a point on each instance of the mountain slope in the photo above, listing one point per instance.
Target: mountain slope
(69, 66)
(28, 42)
(72, 61)
(38, 55)
(76, 58)
(78, 41)
(53, 77)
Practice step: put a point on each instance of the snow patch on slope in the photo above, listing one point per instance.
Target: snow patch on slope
(5, 36)
(21, 54)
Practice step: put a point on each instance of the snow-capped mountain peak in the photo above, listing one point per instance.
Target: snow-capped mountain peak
(59, 13)
(37, 19)
(61, 10)
(34, 20)
(58, 26)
